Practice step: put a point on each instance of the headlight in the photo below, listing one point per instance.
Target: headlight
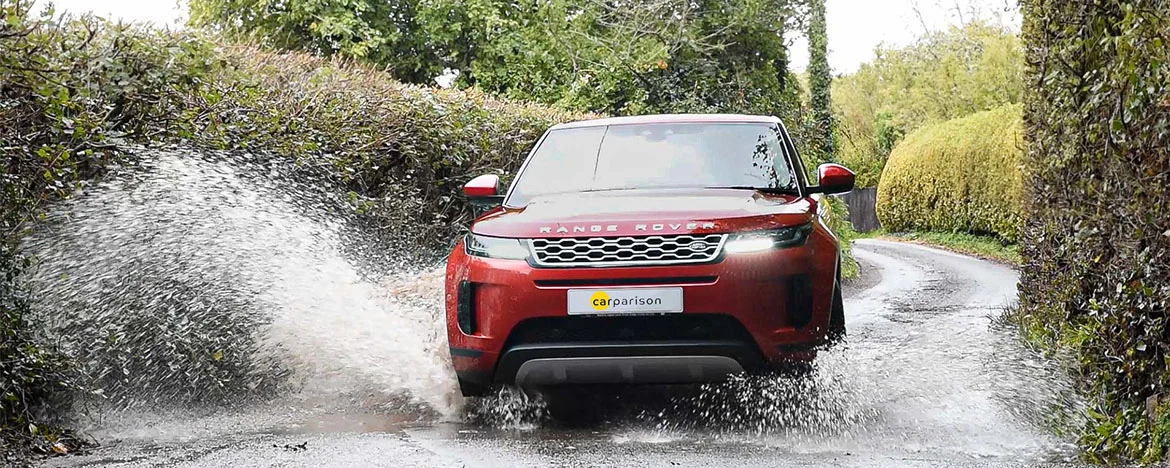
(765, 240)
(495, 247)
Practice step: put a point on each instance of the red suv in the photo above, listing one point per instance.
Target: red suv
(655, 249)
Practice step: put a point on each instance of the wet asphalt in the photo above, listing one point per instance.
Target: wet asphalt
(927, 378)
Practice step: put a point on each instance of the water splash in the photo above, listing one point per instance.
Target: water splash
(825, 402)
(509, 409)
(211, 280)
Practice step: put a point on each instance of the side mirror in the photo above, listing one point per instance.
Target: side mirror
(484, 193)
(487, 185)
(833, 178)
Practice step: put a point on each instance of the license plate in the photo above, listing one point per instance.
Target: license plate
(625, 301)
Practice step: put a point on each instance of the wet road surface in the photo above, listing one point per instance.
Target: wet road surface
(926, 379)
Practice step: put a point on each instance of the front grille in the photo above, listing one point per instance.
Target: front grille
(675, 327)
(627, 251)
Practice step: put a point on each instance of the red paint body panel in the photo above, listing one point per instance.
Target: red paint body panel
(748, 287)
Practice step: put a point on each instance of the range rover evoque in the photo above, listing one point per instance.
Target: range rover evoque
(646, 250)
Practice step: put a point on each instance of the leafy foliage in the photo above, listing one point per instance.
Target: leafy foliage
(945, 75)
(960, 175)
(661, 56)
(402, 150)
(590, 55)
(384, 32)
(76, 97)
(820, 79)
(1096, 243)
(68, 97)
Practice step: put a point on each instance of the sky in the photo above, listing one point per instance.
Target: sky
(856, 27)
(161, 12)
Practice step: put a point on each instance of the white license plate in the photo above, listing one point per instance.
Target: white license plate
(625, 301)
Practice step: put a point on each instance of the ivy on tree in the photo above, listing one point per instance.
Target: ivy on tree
(820, 80)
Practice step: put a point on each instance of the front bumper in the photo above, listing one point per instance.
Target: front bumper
(754, 310)
(629, 363)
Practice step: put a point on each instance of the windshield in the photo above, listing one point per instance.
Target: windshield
(642, 156)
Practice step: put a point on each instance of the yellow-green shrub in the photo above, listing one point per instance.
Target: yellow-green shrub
(960, 175)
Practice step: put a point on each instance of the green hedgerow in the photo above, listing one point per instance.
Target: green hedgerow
(961, 175)
(1096, 242)
(77, 94)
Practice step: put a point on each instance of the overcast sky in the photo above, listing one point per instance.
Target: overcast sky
(856, 27)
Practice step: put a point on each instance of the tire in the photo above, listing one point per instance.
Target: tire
(837, 315)
(569, 406)
(472, 389)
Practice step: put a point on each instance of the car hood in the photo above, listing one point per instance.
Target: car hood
(642, 212)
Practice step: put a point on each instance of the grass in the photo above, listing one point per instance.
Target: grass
(987, 247)
(849, 268)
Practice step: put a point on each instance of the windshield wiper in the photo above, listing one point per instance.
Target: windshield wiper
(767, 190)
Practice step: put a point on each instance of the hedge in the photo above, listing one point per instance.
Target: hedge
(404, 151)
(959, 175)
(1096, 242)
(81, 96)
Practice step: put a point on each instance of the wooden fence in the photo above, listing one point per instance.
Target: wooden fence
(862, 208)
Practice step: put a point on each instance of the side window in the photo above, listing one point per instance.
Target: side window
(781, 171)
(806, 174)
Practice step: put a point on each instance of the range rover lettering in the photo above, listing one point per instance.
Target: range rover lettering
(646, 250)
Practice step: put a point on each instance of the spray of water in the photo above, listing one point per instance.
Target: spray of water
(203, 281)
(824, 402)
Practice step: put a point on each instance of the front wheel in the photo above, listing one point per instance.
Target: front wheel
(472, 389)
(568, 405)
(837, 315)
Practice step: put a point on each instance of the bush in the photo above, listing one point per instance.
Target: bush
(944, 75)
(1096, 243)
(960, 175)
(68, 97)
(76, 97)
(402, 150)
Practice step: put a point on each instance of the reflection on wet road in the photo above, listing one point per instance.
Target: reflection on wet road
(926, 379)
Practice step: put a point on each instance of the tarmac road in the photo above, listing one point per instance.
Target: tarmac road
(926, 379)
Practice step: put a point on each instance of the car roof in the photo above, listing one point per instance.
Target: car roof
(670, 118)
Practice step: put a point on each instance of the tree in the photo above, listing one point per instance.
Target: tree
(643, 56)
(943, 76)
(385, 32)
(626, 57)
(820, 79)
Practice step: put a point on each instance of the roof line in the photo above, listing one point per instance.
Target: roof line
(669, 118)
